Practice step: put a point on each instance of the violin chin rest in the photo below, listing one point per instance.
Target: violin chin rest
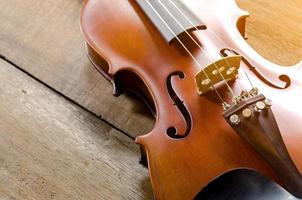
(243, 184)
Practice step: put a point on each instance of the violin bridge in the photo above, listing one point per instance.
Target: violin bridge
(225, 68)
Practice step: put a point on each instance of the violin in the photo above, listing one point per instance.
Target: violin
(219, 106)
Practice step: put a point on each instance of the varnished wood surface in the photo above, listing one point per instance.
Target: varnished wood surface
(43, 38)
(206, 146)
(52, 149)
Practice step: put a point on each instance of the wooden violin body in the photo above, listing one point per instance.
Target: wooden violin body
(204, 146)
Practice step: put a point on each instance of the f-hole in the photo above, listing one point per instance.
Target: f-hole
(283, 77)
(172, 131)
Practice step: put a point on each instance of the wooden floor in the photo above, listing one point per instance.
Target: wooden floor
(62, 133)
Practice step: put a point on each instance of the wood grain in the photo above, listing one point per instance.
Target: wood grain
(52, 149)
(43, 38)
(274, 29)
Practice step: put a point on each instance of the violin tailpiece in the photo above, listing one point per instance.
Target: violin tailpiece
(253, 120)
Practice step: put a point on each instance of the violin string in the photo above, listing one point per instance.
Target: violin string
(198, 45)
(213, 33)
(248, 78)
(187, 50)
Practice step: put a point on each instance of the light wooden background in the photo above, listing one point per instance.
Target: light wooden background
(62, 133)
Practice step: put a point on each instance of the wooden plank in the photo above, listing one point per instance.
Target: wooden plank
(274, 29)
(43, 38)
(52, 149)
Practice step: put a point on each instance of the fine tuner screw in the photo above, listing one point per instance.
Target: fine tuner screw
(259, 106)
(244, 95)
(247, 112)
(235, 119)
(268, 102)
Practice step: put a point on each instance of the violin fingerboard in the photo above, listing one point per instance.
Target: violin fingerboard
(163, 20)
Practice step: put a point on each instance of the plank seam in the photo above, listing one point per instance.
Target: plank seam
(63, 95)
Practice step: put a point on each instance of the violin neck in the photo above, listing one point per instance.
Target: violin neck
(170, 17)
